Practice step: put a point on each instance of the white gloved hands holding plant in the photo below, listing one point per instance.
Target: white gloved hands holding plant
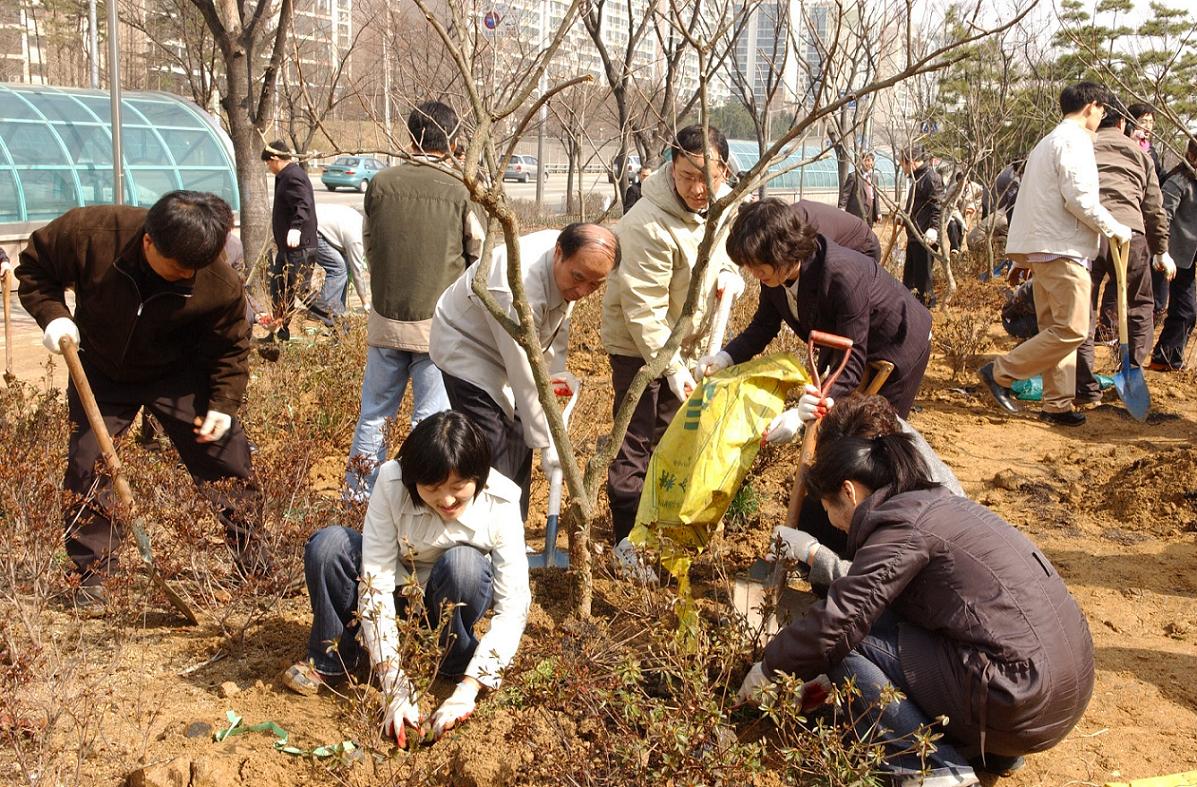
(293, 238)
(1165, 265)
(783, 428)
(681, 383)
(57, 329)
(794, 544)
(754, 683)
(402, 707)
(712, 364)
(931, 236)
(457, 708)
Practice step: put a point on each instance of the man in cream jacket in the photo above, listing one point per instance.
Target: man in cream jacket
(644, 299)
(486, 374)
(1057, 224)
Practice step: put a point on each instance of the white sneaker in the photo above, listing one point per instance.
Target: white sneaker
(628, 564)
(939, 777)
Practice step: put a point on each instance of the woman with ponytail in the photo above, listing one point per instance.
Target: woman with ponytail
(946, 602)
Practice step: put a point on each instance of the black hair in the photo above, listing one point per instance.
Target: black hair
(574, 237)
(885, 460)
(1115, 112)
(1138, 110)
(913, 153)
(284, 150)
(433, 127)
(189, 227)
(690, 140)
(1076, 97)
(440, 445)
(769, 232)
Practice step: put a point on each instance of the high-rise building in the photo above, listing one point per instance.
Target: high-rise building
(779, 51)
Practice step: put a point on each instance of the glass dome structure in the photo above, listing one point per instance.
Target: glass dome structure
(56, 150)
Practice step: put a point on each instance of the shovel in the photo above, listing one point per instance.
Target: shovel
(570, 386)
(1132, 388)
(128, 507)
(9, 377)
(719, 323)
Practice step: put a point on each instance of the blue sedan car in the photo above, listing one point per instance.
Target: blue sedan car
(352, 172)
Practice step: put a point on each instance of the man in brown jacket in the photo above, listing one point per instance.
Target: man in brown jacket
(1130, 190)
(160, 322)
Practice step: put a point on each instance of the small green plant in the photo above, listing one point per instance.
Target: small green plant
(743, 507)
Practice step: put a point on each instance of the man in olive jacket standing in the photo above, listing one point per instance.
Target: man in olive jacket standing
(422, 232)
(294, 225)
(160, 322)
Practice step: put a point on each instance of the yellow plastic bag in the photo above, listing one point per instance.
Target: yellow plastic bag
(1187, 779)
(704, 456)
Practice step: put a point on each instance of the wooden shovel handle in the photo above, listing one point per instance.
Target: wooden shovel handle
(6, 284)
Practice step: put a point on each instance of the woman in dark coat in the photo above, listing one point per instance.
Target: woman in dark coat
(1180, 203)
(945, 601)
(811, 283)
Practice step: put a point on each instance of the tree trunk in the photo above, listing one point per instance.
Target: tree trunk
(582, 573)
(251, 172)
(571, 151)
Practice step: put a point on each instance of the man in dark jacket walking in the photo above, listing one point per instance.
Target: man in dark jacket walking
(923, 206)
(160, 322)
(294, 225)
(858, 195)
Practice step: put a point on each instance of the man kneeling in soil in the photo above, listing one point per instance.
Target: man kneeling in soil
(487, 375)
(160, 325)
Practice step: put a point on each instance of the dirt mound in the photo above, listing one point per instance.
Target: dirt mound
(1156, 494)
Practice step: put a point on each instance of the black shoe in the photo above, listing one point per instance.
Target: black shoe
(91, 601)
(1002, 395)
(997, 764)
(1067, 418)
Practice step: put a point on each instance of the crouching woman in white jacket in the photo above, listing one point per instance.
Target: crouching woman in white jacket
(442, 517)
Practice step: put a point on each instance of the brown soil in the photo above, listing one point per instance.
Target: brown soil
(1112, 503)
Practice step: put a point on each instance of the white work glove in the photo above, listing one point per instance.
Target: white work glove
(812, 404)
(58, 328)
(794, 544)
(712, 364)
(783, 428)
(402, 707)
(550, 460)
(292, 238)
(1120, 232)
(6, 268)
(681, 383)
(456, 709)
(931, 236)
(212, 427)
(754, 683)
(729, 283)
(1165, 265)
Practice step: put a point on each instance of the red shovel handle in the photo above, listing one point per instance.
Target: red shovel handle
(835, 342)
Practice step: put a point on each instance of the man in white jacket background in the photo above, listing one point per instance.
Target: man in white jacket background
(341, 252)
(486, 374)
(1055, 232)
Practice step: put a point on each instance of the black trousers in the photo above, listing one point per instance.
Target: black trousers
(1139, 323)
(916, 273)
(902, 386)
(91, 535)
(291, 276)
(510, 455)
(650, 419)
(1178, 324)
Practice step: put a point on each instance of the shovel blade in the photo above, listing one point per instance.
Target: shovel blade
(1132, 388)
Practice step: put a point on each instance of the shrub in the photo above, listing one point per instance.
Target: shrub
(961, 335)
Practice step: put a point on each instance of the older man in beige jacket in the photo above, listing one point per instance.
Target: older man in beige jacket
(660, 238)
(487, 375)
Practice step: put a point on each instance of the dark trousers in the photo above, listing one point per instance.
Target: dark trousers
(916, 273)
(654, 411)
(902, 386)
(332, 561)
(510, 455)
(176, 401)
(955, 234)
(1160, 289)
(1178, 325)
(291, 276)
(1139, 325)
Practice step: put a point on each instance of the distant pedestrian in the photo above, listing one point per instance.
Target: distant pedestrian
(924, 203)
(340, 250)
(1141, 128)
(293, 221)
(858, 195)
(1058, 222)
(632, 195)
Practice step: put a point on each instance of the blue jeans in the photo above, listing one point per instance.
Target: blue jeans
(874, 664)
(383, 386)
(331, 300)
(332, 561)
